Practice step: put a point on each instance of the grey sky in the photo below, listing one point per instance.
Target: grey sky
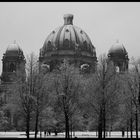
(29, 23)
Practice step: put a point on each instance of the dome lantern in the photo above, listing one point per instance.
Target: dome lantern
(68, 19)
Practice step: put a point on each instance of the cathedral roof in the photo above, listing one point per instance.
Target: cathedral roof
(68, 37)
(117, 48)
(13, 49)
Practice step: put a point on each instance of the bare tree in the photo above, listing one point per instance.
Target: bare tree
(67, 90)
(41, 94)
(22, 91)
(102, 94)
(132, 84)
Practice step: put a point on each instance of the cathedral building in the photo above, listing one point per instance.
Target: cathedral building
(65, 42)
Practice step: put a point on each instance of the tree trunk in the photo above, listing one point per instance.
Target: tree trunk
(99, 131)
(127, 130)
(40, 134)
(40, 129)
(36, 123)
(96, 133)
(103, 102)
(100, 125)
(28, 125)
(110, 128)
(131, 121)
(136, 115)
(73, 132)
(104, 122)
(65, 109)
(131, 131)
(71, 128)
(67, 126)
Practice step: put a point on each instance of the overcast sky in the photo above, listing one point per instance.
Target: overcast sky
(29, 23)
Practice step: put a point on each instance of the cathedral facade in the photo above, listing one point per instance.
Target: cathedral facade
(65, 42)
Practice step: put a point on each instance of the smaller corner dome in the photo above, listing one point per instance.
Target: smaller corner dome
(117, 48)
(13, 49)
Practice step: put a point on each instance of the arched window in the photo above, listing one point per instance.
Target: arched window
(12, 67)
(85, 45)
(49, 44)
(66, 43)
(85, 68)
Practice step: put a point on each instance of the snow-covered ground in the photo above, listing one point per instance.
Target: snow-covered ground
(61, 135)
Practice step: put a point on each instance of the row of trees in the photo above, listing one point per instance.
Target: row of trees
(67, 99)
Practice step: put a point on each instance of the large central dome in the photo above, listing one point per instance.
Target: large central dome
(68, 39)
(67, 42)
